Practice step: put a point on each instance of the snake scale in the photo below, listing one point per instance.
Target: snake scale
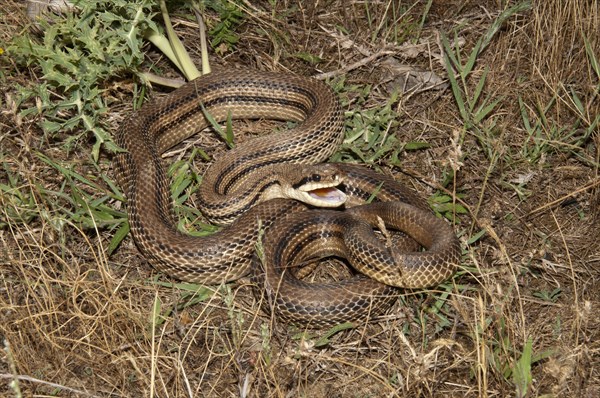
(273, 183)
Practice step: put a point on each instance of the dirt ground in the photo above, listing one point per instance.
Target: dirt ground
(519, 180)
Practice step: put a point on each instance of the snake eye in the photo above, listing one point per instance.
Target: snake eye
(316, 177)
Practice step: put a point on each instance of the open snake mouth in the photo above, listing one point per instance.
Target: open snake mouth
(317, 185)
(329, 194)
(321, 194)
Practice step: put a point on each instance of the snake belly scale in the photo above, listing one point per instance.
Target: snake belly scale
(256, 184)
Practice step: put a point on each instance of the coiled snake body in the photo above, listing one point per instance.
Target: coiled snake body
(266, 184)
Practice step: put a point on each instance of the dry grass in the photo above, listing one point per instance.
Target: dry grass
(75, 321)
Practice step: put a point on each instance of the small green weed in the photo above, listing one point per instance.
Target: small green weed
(19, 204)
(266, 349)
(444, 205)
(236, 317)
(545, 136)
(551, 296)
(79, 200)
(191, 294)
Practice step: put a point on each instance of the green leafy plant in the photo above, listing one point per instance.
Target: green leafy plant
(370, 133)
(78, 55)
(445, 206)
(222, 32)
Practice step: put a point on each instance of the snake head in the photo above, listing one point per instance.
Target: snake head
(315, 185)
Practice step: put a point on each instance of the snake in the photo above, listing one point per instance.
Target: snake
(277, 186)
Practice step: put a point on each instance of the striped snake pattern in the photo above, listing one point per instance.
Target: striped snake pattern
(272, 184)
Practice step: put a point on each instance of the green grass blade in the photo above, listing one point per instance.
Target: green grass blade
(325, 339)
(456, 91)
(525, 117)
(522, 372)
(118, 237)
(478, 89)
(592, 57)
(470, 64)
(449, 50)
(482, 112)
(423, 19)
(227, 134)
(499, 21)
